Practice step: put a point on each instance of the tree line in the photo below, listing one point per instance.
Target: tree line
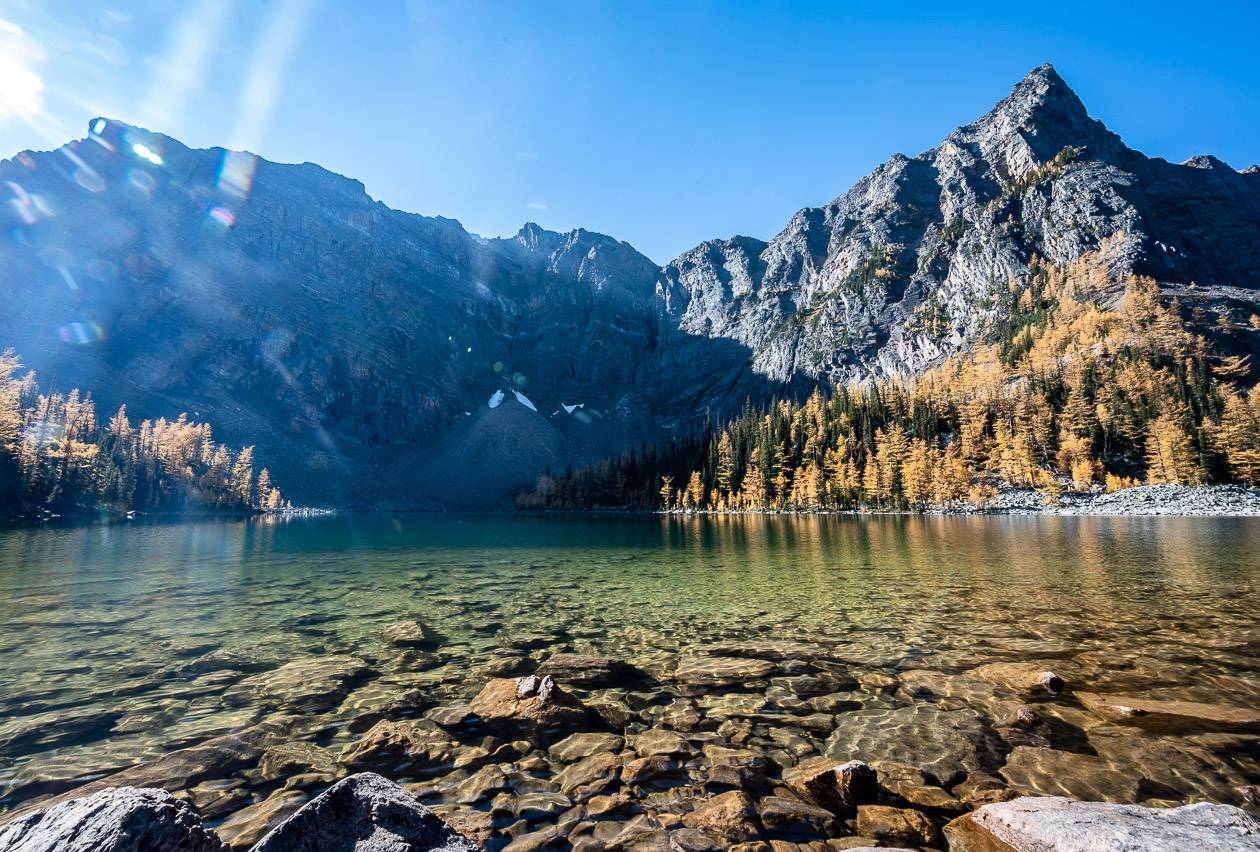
(57, 456)
(1073, 389)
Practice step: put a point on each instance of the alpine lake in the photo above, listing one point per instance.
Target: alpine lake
(247, 664)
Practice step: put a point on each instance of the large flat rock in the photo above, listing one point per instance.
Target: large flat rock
(1170, 715)
(1057, 824)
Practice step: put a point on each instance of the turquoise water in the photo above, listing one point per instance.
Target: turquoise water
(122, 642)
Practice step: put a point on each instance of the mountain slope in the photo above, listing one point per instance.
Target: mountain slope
(358, 346)
(913, 262)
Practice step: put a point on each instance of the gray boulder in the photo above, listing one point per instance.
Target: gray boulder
(120, 819)
(1055, 823)
(364, 813)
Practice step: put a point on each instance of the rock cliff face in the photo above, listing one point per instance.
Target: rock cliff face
(909, 265)
(360, 347)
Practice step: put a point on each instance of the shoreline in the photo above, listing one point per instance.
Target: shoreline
(1186, 501)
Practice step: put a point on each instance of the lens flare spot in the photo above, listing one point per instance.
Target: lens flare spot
(101, 270)
(82, 333)
(236, 173)
(68, 278)
(141, 180)
(144, 152)
(98, 126)
(89, 180)
(223, 216)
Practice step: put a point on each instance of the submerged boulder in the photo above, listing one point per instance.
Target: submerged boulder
(1171, 716)
(1057, 823)
(533, 700)
(409, 633)
(584, 670)
(832, 784)
(119, 819)
(364, 813)
(410, 745)
(308, 685)
(943, 743)
(1029, 678)
(721, 671)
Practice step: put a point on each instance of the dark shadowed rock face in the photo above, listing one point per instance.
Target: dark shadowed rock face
(120, 819)
(359, 347)
(364, 813)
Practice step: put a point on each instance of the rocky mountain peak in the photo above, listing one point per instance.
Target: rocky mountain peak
(1039, 119)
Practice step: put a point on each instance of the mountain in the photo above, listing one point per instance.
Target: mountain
(912, 263)
(360, 347)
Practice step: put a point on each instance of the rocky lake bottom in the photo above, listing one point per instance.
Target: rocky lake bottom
(693, 675)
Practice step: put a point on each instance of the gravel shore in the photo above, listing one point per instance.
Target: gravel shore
(1217, 500)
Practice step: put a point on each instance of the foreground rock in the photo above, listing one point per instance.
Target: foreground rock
(364, 813)
(120, 819)
(533, 700)
(1052, 824)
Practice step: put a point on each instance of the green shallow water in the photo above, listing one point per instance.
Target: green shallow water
(98, 620)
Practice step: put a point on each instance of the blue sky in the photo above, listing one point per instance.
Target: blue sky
(663, 124)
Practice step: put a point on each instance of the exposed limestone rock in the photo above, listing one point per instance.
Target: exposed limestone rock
(364, 813)
(120, 819)
(1057, 824)
(890, 277)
